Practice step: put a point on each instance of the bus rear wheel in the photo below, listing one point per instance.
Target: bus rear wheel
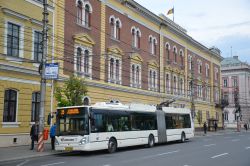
(112, 145)
(151, 141)
(183, 137)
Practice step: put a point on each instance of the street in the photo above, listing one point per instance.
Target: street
(218, 150)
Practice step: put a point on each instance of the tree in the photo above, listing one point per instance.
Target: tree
(71, 93)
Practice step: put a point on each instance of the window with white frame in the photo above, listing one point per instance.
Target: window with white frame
(182, 58)
(199, 66)
(13, 39)
(152, 80)
(38, 46)
(152, 44)
(199, 91)
(84, 10)
(226, 116)
(168, 83)
(234, 81)
(207, 93)
(207, 70)
(135, 75)
(216, 73)
(115, 67)
(10, 105)
(175, 54)
(115, 27)
(181, 86)
(136, 37)
(225, 83)
(83, 62)
(175, 84)
(35, 106)
(216, 94)
(190, 62)
(168, 53)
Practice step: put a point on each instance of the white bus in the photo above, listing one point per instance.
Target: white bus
(113, 125)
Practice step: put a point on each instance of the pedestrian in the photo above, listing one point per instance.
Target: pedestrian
(245, 125)
(215, 126)
(205, 127)
(53, 136)
(34, 134)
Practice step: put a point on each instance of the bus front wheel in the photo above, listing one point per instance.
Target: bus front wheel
(112, 146)
(151, 141)
(183, 137)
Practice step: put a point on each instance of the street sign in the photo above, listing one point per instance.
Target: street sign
(51, 71)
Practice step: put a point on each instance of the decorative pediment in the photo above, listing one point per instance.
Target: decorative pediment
(83, 39)
(153, 64)
(115, 50)
(136, 58)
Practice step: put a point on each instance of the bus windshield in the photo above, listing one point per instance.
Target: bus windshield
(72, 121)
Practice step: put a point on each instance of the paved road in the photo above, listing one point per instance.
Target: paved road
(223, 150)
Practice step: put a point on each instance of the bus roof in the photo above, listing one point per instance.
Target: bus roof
(176, 110)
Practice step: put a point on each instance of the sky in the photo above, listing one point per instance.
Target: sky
(224, 24)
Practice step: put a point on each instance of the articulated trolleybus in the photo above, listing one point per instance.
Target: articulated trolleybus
(113, 125)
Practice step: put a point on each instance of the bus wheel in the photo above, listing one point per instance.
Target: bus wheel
(112, 146)
(151, 141)
(183, 137)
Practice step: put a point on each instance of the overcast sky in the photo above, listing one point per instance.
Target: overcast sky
(220, 23)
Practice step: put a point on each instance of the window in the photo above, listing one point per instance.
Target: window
(199, 89)
(168, 83)
(207, 70)
(199, 66)
(225, 83)
(181, 87)
(190, 62)
(10, 105)
(84, 10)
(35, 106)
(216, 73)
(175, 55)
(115, 26)
(235, 81)
(79, 60)
(175, 84)
(136, 36)
(152, 80)
(38, 46)
(115, 70)
(226, 116)
(86, 62)
(13, 40)
(207, 93)
(136, 76)
(167, 53)
(152, 45)
(182, 58)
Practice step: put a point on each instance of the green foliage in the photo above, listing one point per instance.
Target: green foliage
(71, 93)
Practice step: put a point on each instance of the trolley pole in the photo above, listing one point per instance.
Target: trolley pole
(40, 147)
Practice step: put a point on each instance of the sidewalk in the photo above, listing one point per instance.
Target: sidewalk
(22, 152)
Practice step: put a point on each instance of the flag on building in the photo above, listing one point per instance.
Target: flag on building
(171, 11)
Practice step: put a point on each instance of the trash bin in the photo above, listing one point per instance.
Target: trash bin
(45, 134)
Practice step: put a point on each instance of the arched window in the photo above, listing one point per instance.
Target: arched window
(182, 58)
(137, 75)
(86, 61)
(79, 60)
(10, 105)
(151, 44)
(154, 46)
(150, 79)
(154, 80)
(118, 30)
(112, 68)
(133, 38)
(175, 84)
(87, 15)
(86, 101)
(79, 12)
(167, 83)
(181, 87)
(175, 55)
(112, 25)
(138, 42)
(167, 53)
(133, 74)
(117, 69)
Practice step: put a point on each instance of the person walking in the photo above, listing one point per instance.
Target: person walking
(53, 136)
(245, 126)
(205, 127)
(215, 126)
(34, 134)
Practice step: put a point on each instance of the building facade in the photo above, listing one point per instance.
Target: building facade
(127, 53)
(236, 91)
(20, 57)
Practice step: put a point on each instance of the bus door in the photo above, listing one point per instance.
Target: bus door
(162, 136)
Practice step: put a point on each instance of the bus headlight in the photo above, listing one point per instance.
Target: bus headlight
(83, 141)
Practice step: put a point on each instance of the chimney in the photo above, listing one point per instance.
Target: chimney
(235, 57)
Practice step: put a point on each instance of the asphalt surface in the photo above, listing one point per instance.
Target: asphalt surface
(222, 150)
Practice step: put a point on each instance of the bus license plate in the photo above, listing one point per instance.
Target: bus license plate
(68, 148)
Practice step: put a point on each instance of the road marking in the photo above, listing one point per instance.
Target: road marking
(149, 157)
(235, 140)
(53, 164)
(223, 154)
(248, 147)
(22, 163)
(107, 165)
(210, 145)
